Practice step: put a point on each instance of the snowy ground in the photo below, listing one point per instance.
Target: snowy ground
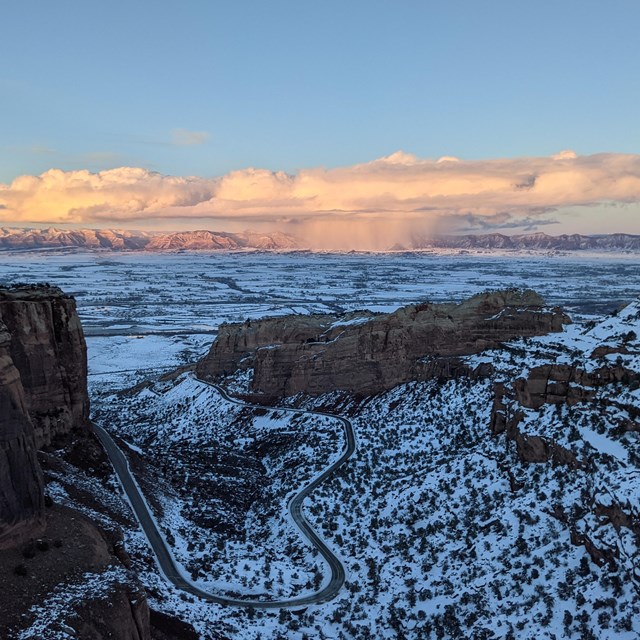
(436, 541)
(444, 532)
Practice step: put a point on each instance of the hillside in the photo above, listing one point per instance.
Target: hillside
(502, 506)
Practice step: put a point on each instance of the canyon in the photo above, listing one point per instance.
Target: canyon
(475, 414)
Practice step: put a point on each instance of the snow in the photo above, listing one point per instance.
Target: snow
(604, 444)
(50, 615)
(425, 516)
(351, 322)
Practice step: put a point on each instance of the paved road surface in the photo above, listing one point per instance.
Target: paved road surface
(165, 559)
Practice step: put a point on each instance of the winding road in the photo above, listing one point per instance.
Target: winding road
(168, 564)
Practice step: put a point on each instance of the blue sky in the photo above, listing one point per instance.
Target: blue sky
(207, 87)
(285, 85)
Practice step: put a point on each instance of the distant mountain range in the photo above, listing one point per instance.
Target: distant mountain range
(531, 241)
(123, 240)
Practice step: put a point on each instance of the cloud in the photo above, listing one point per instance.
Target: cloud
(34, 149)
(84, 197)
(379, 201)
(186, 138)
(567, 154)
(43, 150)
(472, 224)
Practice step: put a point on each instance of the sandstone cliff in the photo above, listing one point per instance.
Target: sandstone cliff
(364, 353)
(47, 348)
(562, 383)
(554, 384)
(21, 487)
(43, 396)
(43, 393)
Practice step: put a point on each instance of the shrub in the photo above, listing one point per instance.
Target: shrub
(43, 545)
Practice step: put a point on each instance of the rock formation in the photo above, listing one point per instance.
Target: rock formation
(364, 353)
(562, 383)
(43, 396)
(549, 384)
(47, 348)
(21, 487)
(43, 393)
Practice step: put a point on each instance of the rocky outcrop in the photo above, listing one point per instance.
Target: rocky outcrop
(366, 354)
(43, 393)
(599, 556)
(124, 614)
(71, 585)
(506, 417)
(47, 348)
(21, 485)
(618, 517)
(539, 449)
(563, 383)
(550, 384)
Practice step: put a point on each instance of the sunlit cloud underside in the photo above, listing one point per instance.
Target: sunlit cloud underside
(360, 206)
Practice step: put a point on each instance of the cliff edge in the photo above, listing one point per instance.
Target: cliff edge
(43, 394)
(48, 349)
(43, 399)
(365, 354)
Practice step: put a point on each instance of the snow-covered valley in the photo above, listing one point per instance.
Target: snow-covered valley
(445, 528)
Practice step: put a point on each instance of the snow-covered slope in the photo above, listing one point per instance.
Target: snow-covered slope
(447, 528)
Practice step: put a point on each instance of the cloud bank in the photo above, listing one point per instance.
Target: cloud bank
(361, 206)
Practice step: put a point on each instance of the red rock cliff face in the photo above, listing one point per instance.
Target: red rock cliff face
(366, 354)
(43, 393)
(48, 349)
(562, 383)
(21, 487)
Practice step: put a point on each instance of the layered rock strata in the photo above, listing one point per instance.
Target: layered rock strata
(43, 393)
(47, 347)
(563, 383)
(21, 485)
(549, 384)
(364, 353)
(43, 396)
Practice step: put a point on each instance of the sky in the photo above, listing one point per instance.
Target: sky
(321, 117)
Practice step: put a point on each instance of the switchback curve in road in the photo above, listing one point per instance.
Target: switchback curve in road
(166, 561)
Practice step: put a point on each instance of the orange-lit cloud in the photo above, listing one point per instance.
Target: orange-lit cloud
(361, 205)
